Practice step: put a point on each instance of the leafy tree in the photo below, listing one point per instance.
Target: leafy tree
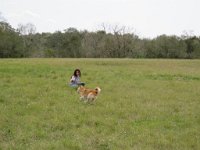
(193, 47)
(169, 47)
(10, 42)
(110, 42)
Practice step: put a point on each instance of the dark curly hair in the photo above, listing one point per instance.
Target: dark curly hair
(76, 71)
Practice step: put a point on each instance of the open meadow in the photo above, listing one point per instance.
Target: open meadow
(144, 104)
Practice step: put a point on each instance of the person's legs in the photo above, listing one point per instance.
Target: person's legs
(73, 85)
(82, 83)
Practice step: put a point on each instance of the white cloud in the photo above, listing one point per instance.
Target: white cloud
(149, 17)
(32, 14)
(24, 14)
(51, 21)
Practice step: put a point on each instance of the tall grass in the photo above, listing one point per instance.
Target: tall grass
(144, 104)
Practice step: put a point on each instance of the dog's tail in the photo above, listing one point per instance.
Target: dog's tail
(98, 90)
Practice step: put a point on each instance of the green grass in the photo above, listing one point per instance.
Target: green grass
(144, 104)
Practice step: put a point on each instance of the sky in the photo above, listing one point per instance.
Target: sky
(146, 18)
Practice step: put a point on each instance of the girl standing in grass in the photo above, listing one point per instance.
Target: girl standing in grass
(75, 79)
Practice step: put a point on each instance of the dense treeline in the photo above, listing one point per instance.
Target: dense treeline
(25, 42)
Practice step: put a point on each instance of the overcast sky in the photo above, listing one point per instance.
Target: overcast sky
(148, 18)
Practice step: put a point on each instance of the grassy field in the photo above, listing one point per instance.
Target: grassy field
(144, 104)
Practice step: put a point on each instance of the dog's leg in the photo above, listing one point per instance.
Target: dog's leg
(93, 99)
(85, 100)
(88, 100)
(81, 98)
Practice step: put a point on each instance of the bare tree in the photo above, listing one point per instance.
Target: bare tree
(26, 29)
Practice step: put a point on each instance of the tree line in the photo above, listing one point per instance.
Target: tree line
(118, 42)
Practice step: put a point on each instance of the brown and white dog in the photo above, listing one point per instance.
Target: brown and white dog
(89, 95)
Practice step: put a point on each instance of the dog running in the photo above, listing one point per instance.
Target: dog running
(88, 95)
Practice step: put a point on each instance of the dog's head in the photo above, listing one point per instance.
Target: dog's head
(80, 89)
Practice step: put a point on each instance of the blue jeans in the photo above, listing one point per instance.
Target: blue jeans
(76, 85)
